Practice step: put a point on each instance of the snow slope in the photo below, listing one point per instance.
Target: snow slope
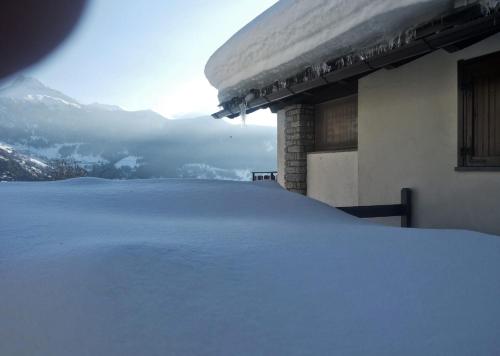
(17, 166)
(295, 34)
(30, 89)
(129, 161)
(173, 267)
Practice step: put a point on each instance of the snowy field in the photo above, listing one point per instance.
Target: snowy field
(181, 267)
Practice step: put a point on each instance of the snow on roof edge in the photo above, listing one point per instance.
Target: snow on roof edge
(398, 39)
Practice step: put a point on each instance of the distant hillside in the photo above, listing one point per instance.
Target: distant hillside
(18, 167)
(113, 143)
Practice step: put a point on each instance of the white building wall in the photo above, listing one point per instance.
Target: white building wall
(408, 129)
(332, 177)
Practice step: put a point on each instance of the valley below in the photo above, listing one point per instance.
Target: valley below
(42, 124)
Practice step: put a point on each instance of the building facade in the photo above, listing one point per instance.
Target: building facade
(409, 134)
(420, 112)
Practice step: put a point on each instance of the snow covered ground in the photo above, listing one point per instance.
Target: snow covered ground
(185, 267)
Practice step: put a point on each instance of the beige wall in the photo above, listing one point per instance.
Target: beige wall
(280, 148)
(332, 177)
(408, 138)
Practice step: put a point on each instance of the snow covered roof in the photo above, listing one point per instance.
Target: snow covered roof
(186, 267)
(298, 40)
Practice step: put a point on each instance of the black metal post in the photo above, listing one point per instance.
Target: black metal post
(406, 202)
(381, 211)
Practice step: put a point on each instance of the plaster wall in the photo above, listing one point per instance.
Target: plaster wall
(332, 177)
(408, 137)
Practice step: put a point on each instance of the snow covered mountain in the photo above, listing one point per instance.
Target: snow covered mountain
(19, 167)
(110, 142)
(33, 111)
(14, 166)
(30, 89)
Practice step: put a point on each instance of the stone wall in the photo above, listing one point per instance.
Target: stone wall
(299, 140)
(280, 148)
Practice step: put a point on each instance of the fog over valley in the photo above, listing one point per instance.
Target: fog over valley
(43, 124)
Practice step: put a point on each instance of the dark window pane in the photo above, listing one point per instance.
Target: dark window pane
(480, 116)
(337, 124)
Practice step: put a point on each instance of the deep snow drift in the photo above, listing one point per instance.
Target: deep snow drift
(295, 34)
(172, 267)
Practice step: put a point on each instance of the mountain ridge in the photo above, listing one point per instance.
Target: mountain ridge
(46, 124)
(31, 89)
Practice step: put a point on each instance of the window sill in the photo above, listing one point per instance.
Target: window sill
(334, 151)
(477, 169)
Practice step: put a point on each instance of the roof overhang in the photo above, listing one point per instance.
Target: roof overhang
(452, 32)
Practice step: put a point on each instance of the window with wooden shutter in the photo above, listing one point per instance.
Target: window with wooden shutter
(479, 122)
(337, 124)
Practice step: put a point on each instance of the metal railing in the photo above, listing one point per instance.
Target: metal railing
(381, 211)
(260, 176)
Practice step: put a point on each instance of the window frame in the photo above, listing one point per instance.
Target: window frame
(466, 160)
(318, 148)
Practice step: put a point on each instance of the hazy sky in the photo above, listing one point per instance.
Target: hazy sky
(148, 54)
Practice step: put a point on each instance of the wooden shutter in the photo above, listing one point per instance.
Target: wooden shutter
(480, 111)
(337, 124)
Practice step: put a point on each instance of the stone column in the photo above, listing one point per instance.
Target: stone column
(280, 147)
(299, 140)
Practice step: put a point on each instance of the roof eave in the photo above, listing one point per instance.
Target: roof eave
(463, 29)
